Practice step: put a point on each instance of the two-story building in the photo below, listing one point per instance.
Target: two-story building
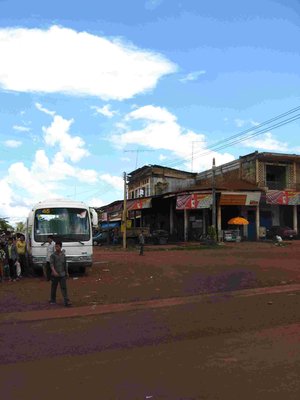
(262, 187)
(272, 190)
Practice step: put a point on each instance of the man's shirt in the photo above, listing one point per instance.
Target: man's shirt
(58, 261)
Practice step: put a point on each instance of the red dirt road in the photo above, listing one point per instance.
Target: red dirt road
(120, 276)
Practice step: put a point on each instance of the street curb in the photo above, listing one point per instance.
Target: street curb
(84, 311)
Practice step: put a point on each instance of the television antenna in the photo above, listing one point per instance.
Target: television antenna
(137, 151)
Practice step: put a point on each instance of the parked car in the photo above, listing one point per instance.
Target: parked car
(284, 231)
(100, 238)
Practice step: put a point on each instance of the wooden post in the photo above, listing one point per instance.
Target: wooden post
(186, 225)
(257, 222)
(125, 211)
(295, 219)
(171, 217)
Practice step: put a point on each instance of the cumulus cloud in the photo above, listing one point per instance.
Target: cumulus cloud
(116, 181)
(12, 143)
(62, 60)
(23, 186)
(72, 147)
(267, 142)
(160, 130)
(105, 110)
(192, 76)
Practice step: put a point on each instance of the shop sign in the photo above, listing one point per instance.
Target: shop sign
(193, 201)
(240, 198)
(283, 197)
(138, 204)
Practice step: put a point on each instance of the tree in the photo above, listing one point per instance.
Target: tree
(4, 225)
(20, 227)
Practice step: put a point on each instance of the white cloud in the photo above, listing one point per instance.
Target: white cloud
(21, 128)
(57, 133)
(12, 143)
(161, 131)
(105, 110)
(242, 122)
(44, 110)
(162, 157)
(116, 181)
(95, 202)
(192, 76)
(78, 63)
(23, 186)
(267, 142)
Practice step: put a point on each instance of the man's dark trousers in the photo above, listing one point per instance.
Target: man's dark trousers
(62, 280)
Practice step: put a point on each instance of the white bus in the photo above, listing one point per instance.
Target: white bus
(69, 221)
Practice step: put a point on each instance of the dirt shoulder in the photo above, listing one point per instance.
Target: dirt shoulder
(122, 276)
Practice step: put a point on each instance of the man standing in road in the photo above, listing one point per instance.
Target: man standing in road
(59, 274)
(141, 242)
(50, 251)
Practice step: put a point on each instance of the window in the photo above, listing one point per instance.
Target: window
(276, 177)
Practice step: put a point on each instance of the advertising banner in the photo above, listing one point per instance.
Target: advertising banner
(193, 201)
(283, 197)
(138, 204)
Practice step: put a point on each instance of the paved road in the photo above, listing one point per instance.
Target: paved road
(223, 347)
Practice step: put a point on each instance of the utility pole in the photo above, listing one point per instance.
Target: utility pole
(213, 189)
(125, 211)
(137, 151)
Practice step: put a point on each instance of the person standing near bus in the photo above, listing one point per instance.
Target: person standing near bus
(21, 250)
(50, 251)
(12, 257)
(59, 274)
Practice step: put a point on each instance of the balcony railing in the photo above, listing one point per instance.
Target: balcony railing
(275, 185)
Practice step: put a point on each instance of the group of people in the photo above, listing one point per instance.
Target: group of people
(13, 260)
(14, 264)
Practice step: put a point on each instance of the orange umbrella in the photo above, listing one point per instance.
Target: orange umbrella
(238, 221)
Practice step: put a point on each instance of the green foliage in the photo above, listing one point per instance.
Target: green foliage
(20, 227)
(4, 225)
(212, 232)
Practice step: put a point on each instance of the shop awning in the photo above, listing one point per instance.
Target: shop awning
(283, 197)
(193, 201)
(240, 198)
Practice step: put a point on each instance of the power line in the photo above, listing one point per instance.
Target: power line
(242, 136)
(238, 138)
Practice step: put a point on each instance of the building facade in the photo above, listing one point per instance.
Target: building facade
(264, 188)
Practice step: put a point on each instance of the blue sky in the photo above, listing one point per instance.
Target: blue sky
(85, 84)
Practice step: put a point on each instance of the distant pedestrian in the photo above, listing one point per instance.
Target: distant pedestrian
(141, 242)
(12, 257)
(59, 274)
(50, 250)
(278, 240)
(2, 261)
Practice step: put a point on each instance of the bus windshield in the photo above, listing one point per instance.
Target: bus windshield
(65, 224)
